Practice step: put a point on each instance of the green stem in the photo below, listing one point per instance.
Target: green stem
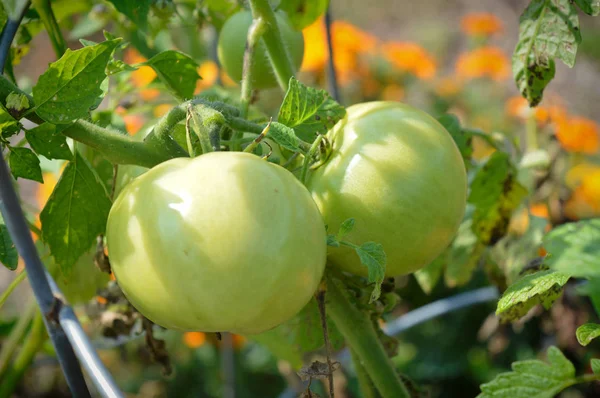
(359, 333)
(256, 141)
(17, 333)
(278, 55)
(531, 130)
(257, 29)
(13, 285)
(308, 158)
(44, 9)
(367, 388)
(34, 342)
(116, 147)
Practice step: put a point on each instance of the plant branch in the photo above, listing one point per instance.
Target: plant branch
(365, 383)
(13, 285)
(280, 60)
(44, 9)
(358, 331)
(323, 313)
(331, 73)
(257, 29)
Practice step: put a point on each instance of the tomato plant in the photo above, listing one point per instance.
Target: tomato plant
(399, 174)
(232, 44)
(217, 248)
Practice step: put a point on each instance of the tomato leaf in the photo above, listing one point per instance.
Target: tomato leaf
(47, 140)
(533, 378)
(587, 332)
(592, 290)
(464, 254)
(462, 139)
(303, 12)
(75, 213)
(177, 71)
(9, 126)
(496, 193)
(590, 7)
(595, 364)
(136, 11)
(25, 164)
(8, 252)
(309, 111)
(345, 228)
(574, 248)
(284, 136)
(17, 103)
(371, 254)
(72, 85)
(428, 276)
(542, 287)
(549, 29)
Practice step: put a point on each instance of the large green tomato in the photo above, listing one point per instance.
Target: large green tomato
(398, 173)
(232, 45)
(222, 242)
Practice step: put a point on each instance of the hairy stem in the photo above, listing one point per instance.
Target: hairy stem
(49, 20)
(257, 29)
(280, 60)
(359, 333)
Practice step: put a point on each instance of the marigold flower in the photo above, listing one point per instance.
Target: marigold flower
(148, 94)
(209, 72)
(578, 134)
(447, 87)
(584, 180)
(133, 123)
(480, 24)
(490, 62)
(392, 92)
(518, 107)
(194, 339)
(410, 57)
(161, 110)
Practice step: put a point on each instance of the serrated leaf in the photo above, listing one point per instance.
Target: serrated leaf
(549, 29)
(574, 248)
(495, 193)
(309, 111)
(8, 252)
(25, 164)
(72, 85)
(47, 140)
(595, 364)
(302, 334)
(428, 276)
(464, 254)
(542, 287)
(592, 290)
(177, 71)
(75, 213)
(284, 136)
(371, 255)
(587, 332)
(462, 139)
(590, 7)
(345, 228)
(9, 126)
(332, 241)
(136, 11)
(303, 12)
(533, 378)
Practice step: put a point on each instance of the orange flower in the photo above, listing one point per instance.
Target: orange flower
(348, 42)
(584, 180)
(578, 134)
(518, 107)
(42, 195)
(208, 71)
(194, 339)
(486, 61)
(238, 340)
(480, 24)
(101, 300)
(447, 87)
(149, 94)
(392, 92)
(144, 75)
(590, 187)
(410, 57)
(133, 123)
(161, 110)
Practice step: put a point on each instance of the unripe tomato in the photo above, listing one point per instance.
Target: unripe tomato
(399, 174)
(222, 242)
(232, 45)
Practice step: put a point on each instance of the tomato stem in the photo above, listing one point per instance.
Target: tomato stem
(358, 331)
(280, 59)
(257, 29)
(314, 148)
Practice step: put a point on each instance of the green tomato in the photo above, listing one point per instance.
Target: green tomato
(399, 174)
(232, 45)
(222, 242)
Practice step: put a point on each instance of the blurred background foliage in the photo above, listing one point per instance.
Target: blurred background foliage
(445, 56)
